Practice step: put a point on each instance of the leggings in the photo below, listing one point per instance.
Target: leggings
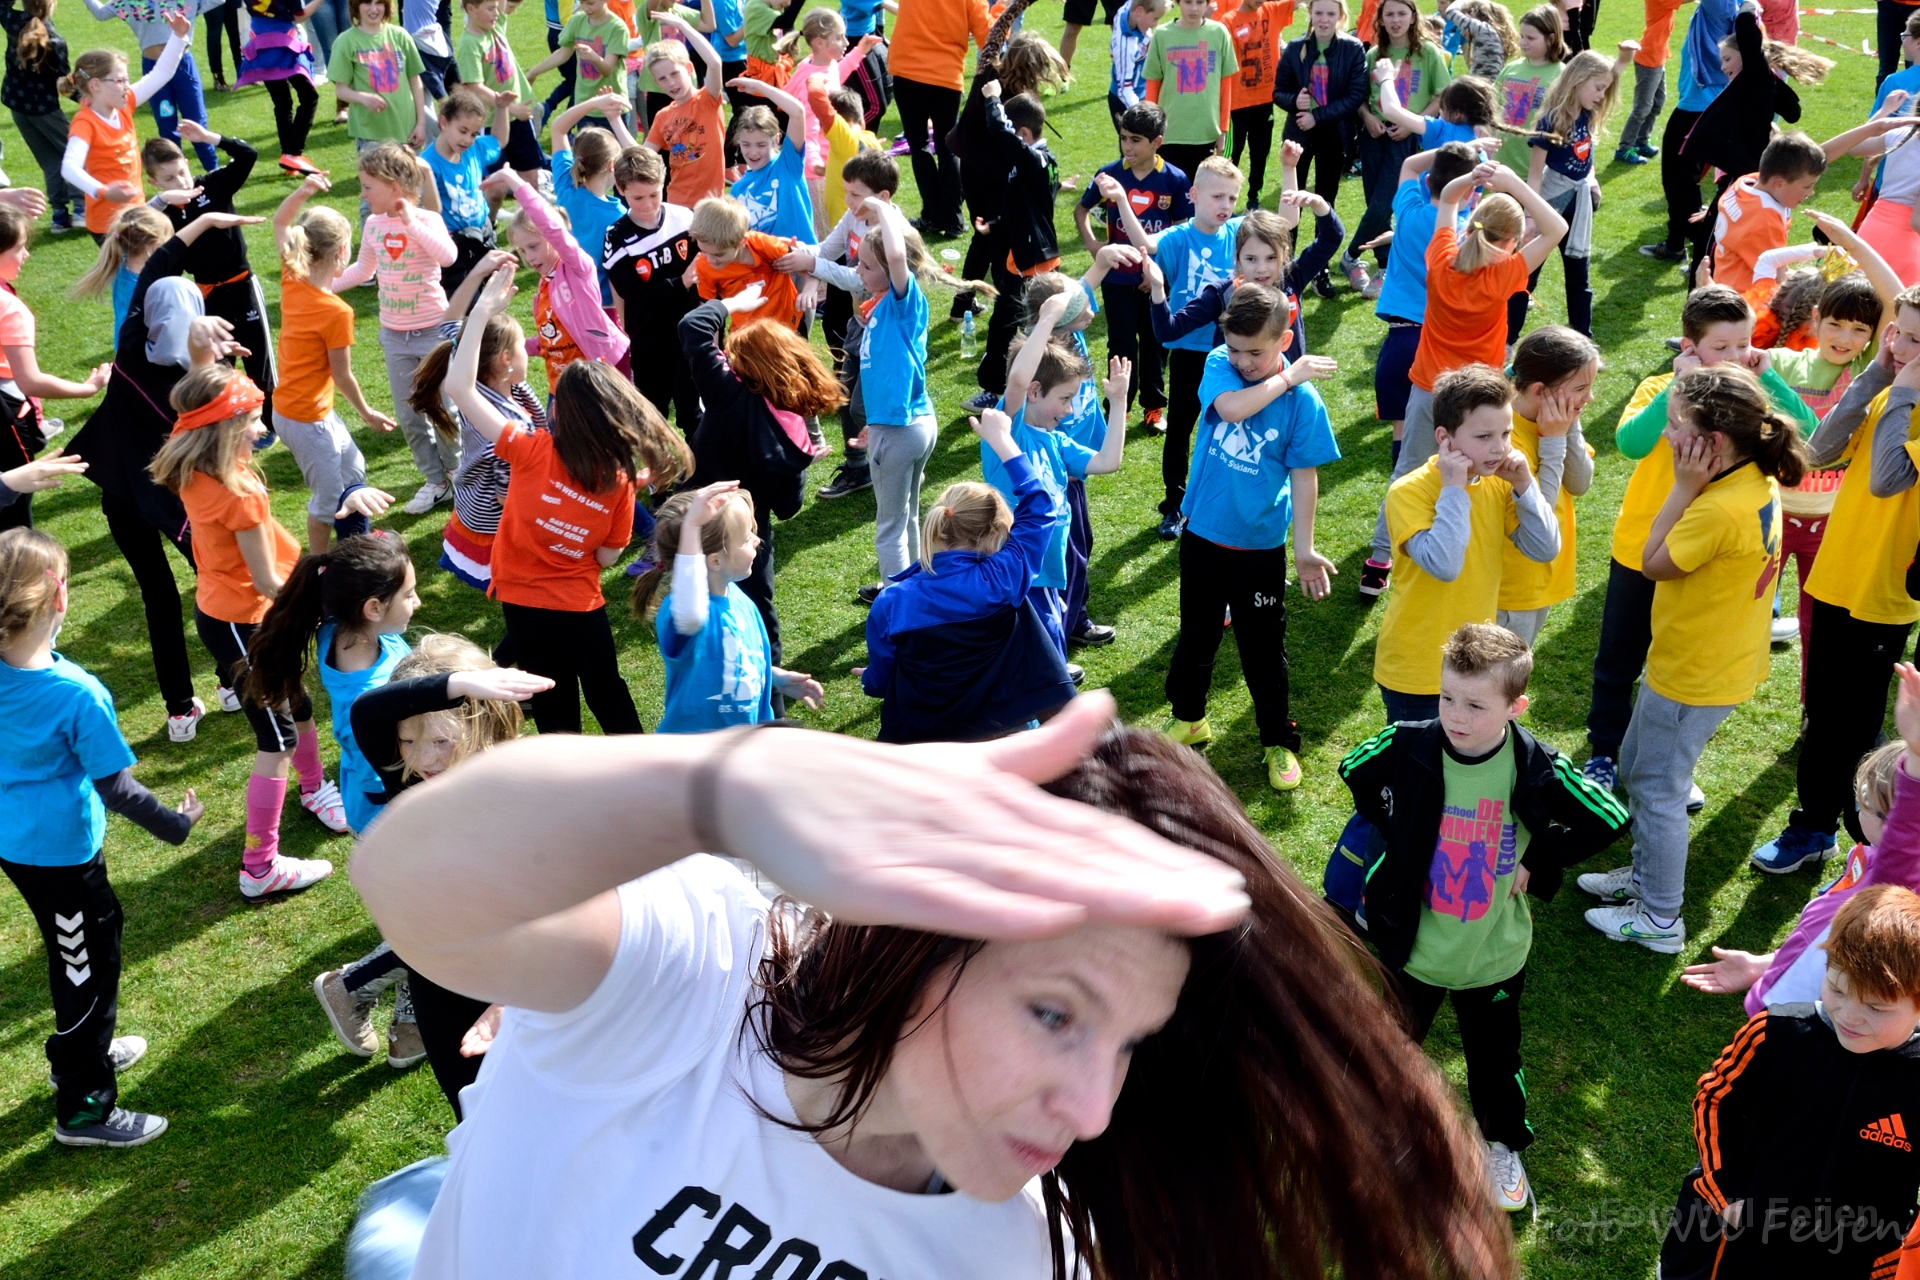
(292, 122)
(443, 1017)
(1253, 129)
(1326, 155)
(927, 115)
(1579, 298)
(144, 547)
(575, 650)
(273, 727)
(223, 17)
(1183, 410)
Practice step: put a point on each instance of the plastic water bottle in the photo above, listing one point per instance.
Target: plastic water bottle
(966, 336)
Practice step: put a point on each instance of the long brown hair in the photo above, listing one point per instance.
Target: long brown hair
(604, 431)
(778, 365)
(1282, 1124)
(33, 47)
(428, 396)
(1729, 399)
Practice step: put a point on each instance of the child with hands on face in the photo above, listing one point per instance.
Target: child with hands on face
(1554, 369)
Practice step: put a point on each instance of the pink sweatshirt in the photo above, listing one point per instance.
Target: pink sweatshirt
(573, 290)
(1895, 860)
(797, 86)
(405, 251)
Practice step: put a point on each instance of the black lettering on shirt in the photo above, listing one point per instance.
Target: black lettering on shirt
(662, 1222)
(721, 1256)
(842, 1271)
(725, 1255)
(804, 1256)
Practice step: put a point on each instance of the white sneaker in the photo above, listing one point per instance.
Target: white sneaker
(1786, 629)
(1696, 798)
(183, 728)
(285, 876)
(1508, 1178)
(324, 803)
(229, 698)
(1614, 886)
(123, 1052)
(1631, 923)
(426, 497)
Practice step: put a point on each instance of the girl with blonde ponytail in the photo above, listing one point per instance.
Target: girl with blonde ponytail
(132, 236)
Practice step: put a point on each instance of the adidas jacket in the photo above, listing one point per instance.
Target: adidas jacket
(1397, 785)
(1818, 1140)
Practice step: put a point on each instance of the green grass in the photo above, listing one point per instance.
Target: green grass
(276, 1130)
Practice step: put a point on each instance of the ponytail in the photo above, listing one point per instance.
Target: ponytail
(94, 64)
(667, 522)
(1728, 398)
(1497, 218)
(428, 397)
(968, 516)
(33, 47)
(319, 234)
(334, 584)
(133, 232)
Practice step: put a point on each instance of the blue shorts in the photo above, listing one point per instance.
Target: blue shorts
(1390, 382)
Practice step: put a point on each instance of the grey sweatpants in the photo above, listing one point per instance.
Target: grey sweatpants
(1649, 96)
(1525, 623)
(1416, 446)
(46, 137)
(405, 348)
(1663, 743)
(897, 460)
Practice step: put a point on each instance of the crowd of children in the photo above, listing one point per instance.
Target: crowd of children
(710, 189)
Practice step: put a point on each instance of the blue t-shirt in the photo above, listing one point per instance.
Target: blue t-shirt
(776, 195)
(723, 675)
(1701, 78)
(1191, 260)
(1086, 422)
(123, 285)
(358, 780)
(1403, 294)
(1440, 132)
(858, 15)
(1574, 157)
(1159, 200)
(893, 376)
(1240, 483)
(1055, 458)
(726, 20)
(458, 181)
(57, 734)
(590, 215)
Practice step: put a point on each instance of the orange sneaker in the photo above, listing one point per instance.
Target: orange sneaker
(299, 165)
(1155, 420)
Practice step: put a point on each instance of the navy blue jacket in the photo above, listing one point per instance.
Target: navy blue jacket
(960, 654)
(1346, 82)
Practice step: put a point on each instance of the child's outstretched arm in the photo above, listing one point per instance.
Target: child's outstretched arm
(688, 599)
(1886, 284)
(1383, 73)
(609, 102)
(502, 119)
(289, 211)
(1870, 139)
(1238, 406)
(1033, 506)
(703, 48)
(1026, 361)
(162, 74)
(1119, 379)
(790, 107)
(1329, 233)
(889, 221)
(1107, 259)
(1110, 189)
(463, 370)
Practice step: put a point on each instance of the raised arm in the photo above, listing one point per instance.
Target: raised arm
(1885, 283)
(1026, 361)
(463, 370)
(890, 222)
(1549, 226)
(289, 211)
(162, 74)
(1390, 108)
(703, 48)
(790, 107)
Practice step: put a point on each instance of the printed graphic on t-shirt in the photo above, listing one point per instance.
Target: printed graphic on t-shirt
(1317, 82)
(383, 69)
(1475, 849)
(1406, 81)
(1192, 67)
(736, 1241)
(1250, 53)
(741, 678)
(590, 70)
(686, 140)
(500, 60)
(1521, 99)
(762, 206)
(1201, 272)
(1241, 446)
(1770, 538)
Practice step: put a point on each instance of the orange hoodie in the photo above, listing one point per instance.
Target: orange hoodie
(930, 40)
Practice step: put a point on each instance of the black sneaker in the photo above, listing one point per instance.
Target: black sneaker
(871, 592)
(931, 232)
(1323, 285)
(1373, 577)
(845, 481)
(1169, 528)
(1662, 252)
(1075, 673)
(121, 1128)
(981, 400)
(1676, 345)
(1094, 637)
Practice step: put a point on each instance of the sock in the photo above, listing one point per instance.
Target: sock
(1664, 922)
(306, 761)
(265, 796)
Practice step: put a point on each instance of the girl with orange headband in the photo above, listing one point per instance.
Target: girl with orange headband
(244, 557)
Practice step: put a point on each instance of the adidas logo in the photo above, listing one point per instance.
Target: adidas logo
(1888, 1132)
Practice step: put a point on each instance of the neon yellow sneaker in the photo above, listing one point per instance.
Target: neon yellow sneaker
(1283, 769)
(1189, 733)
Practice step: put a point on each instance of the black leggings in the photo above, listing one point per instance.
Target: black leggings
(293, 123)
(273, 727)
(1183, 410)
(1579, 298)
(936, 171)
(1253, 128)
(144, 547)
(576, 651)
(86, 997)
(444, 1017)
(1253, 583)
(1326, 155)
(224, 18)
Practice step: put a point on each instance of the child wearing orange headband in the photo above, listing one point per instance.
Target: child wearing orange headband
(243, 557)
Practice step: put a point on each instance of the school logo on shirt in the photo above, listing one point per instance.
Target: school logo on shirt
(383, 69)
(1202, 272)
(763, 207)
(1475, 849)
(741, 678)
(1191, 68)
(1240, 446)
(1406, 81)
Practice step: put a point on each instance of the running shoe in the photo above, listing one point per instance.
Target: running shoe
(299, 165)
(350, 1017)
(1696, 798)
(1615, 886)
(184, 728)
(1372, 292)
(1662, 252)
(120, 1128)
(1792, 849)
(1189, 733)
(1169, 527)
(1283, 769)
(1508, 1178)
(1600, 771)
(1094, 637)
(871, 592)
(1631, 922)
(324, 803)
(1628, 155)
(426, 498)
(1373, 577)
(1356, 272)
(981, 400)
(1154, 420)
(229, 699)
(1785, 630)
(849, 479)
(404, 1046)
(286, 875)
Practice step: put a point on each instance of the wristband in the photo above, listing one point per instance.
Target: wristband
(703, 816)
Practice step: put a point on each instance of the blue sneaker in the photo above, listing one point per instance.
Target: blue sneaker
(1792, 848)
(1600, 771)
(1628, 155)
(1648, 150)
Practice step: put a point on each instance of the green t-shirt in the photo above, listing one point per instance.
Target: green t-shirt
(383, 63)
(1521, 93)
(756, 30)
(1475, 930)
(1419, 79)
(1192, 68)
(1806, 371)
(486, 58)
(603, 37)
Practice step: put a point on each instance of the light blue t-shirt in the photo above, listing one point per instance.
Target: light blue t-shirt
(358, 779)
(893, 359)
(726, 20)
(1240, 482)
(858, 15)
(1440, 132)
(1086, 422)
(1191, 260)
(776, 195)
(1701, 78)
(590, 215)
(1056, 458)
(57, 734)
(123, 286)
(723, 675)
(1403, 293)
(458, 181)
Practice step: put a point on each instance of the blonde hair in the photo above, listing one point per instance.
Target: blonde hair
(481, 722)
(391, 162)
(522, 223)
(968, 516)
(758, 119)
(1561, 108)
(720, 220)
(1497, 17)
(1802, 66)
(32, 567)
(1341, 5)
(1219, 167)
(716, 538)
(920, 263)
(1497, 217)
(214, 449)
(94, 64)
(1873, 781)
(318, 235)
(670, 51)
(817, 23)
(135, 230)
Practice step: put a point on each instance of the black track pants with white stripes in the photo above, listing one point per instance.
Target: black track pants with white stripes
(79, 919)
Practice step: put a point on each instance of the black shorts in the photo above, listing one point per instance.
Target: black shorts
(436, 74)
(1391, 385)
(523, 153)
(1080, 12)
(273, 727)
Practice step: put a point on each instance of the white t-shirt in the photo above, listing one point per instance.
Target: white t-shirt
(618, 1139)
(1900, 173)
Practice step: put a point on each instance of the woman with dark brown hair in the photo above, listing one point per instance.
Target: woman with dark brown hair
(1166, 1060)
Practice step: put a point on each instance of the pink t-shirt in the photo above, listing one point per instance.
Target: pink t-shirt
(16, 327)
(797, 86)
(405, 252)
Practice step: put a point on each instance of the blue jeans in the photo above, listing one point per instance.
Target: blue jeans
(327, 22)
(181, 96)
(1411, 707)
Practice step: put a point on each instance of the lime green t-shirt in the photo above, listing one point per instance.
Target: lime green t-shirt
(1520, 94)
(602, 37)
(1192, 68)
(382, 63)
(1420, 78)
(1474, 930)
(756, 30)
(486, 58)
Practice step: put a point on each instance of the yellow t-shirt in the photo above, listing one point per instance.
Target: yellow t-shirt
(843, 143)
(1710, 627)
(1871, 539)
(1651, 483)
(1528, 584)
(1423, 610)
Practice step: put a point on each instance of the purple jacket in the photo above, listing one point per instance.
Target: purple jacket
(573, 290)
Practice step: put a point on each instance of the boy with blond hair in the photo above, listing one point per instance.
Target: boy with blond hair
(733, 257)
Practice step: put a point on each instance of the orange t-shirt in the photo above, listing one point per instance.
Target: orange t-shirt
(755, 263)
(550, 528)
(1657, 34)
(929, 43)
(312, 323)
(693, 138)
(113, 155)
(1466, 314)
(215, 514)
(557, 347)
(1256, 45)
(1748, 223)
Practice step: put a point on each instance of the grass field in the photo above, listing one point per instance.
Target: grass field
(275, 1129)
